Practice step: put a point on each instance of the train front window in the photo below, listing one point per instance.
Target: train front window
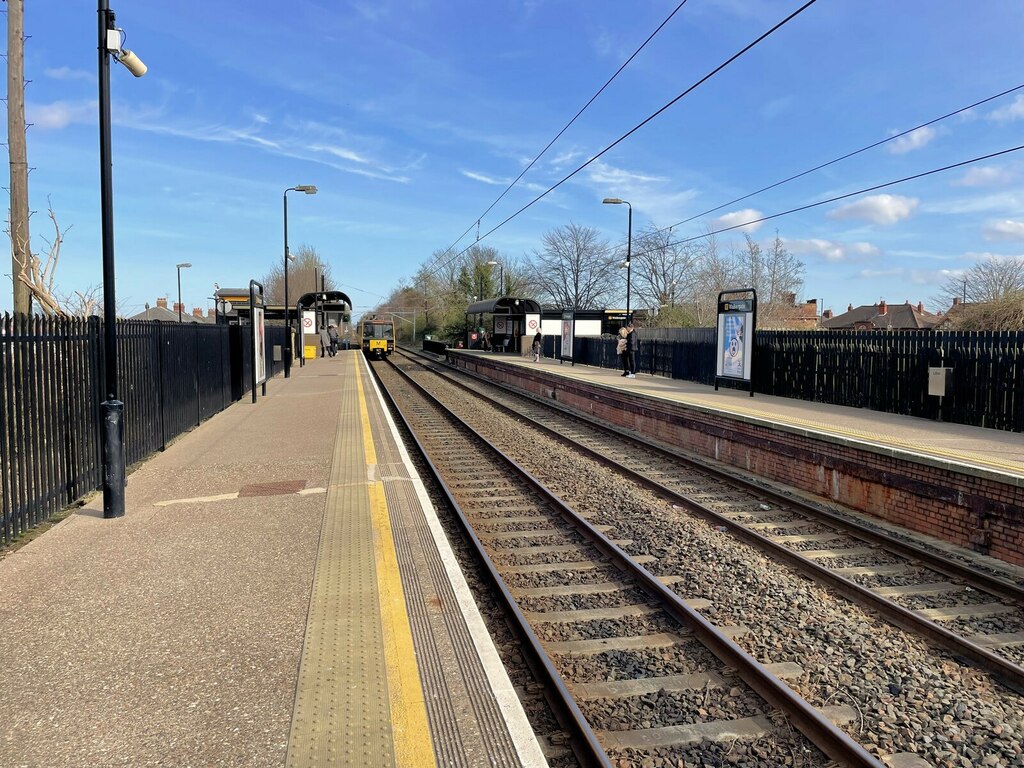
(378, 332)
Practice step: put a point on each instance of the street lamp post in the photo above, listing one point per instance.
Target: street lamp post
(629, 242)
(180, 267)
(110, 41)
(501, 275)
(309, 189)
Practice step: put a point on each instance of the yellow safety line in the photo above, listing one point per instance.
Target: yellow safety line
(411, 733)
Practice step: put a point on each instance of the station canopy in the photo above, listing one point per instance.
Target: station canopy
(503, 305)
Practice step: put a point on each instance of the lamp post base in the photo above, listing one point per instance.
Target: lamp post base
(113, 458)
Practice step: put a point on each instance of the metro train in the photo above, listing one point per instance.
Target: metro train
(378, 337)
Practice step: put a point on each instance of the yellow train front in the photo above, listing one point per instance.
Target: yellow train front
(378, 337)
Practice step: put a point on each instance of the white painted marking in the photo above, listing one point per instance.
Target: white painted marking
(220, 497)
(308, 491)
(519, 728)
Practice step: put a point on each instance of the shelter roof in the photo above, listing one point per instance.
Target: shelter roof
(503, 305)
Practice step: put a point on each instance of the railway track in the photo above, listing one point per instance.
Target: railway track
(975, 615)
(721, 500)
(585, 604)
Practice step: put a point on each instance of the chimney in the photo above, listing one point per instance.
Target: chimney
(179, 307)
(826, 315)
(211, 312)
(956, 301)
(197, 311)
(162, 302)
(849, 308)
(920, 307)
(882, 309)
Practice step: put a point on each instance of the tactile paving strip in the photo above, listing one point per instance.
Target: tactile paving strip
(466, 721)
(341, 714)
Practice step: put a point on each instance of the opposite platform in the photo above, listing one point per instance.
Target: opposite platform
(176, 635)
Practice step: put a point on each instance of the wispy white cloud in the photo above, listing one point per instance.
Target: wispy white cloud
(1006, 230)
(831, 250)
(340, 152)
(482, 178)
(878, 209)
(735, 218)
(60, 114)
(1010, 112)
(984, 176)
(913, 140)
(602, 173)
(68, 73)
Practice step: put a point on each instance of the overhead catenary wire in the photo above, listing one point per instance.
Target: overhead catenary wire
(635, 128)
(565, 128)
(837, 198)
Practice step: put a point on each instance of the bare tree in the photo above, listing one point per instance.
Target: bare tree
(776, 275)
(18, 222)
(990, 280)
(85, 303)
(304, 276)
(36, 276)
(574, 270)
(661, 271)
(713, 272)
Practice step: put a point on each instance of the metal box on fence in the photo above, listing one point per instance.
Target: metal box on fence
(940, 381)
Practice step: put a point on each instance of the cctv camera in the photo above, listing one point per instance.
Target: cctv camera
(131, 62)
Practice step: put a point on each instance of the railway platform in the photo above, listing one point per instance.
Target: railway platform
(961, 486)
(279, 593)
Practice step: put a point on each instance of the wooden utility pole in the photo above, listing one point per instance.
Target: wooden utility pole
(17, 152)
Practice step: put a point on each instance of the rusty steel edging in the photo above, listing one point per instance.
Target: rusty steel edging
(821, 731)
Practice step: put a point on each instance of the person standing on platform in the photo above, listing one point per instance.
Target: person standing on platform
(621, 349)
(538, 345)
(332, 334)
(632, 348)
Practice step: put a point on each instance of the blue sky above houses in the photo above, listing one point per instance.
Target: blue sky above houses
(412, 117)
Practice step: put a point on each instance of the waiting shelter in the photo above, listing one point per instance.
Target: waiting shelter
(499, 324)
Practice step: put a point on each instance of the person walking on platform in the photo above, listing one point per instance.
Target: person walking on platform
(325, 341)
(632, 348)
(621, 349)
(538, 345)
(332, 334)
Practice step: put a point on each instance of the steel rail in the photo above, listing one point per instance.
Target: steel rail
(821, 731)
(586, 746)
(1003, 669)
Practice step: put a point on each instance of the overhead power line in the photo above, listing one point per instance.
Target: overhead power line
(637, 127)
(824, 165)
(848, 194)
(476, 222)
(843, 157)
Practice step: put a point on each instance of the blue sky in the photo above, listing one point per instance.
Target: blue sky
(412, 116)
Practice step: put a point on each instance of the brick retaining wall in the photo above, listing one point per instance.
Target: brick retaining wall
(975, 509)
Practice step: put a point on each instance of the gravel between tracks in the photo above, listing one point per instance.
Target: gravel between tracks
(910, 697)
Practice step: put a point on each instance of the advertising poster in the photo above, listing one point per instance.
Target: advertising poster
(259, 352)
(567, 334)
(734, 345)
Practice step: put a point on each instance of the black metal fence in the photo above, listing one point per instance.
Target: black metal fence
(171, 377)
(880, 370)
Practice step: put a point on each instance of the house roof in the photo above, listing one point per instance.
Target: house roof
(895, 317)
(167, 315)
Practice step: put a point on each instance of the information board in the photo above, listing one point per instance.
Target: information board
(568, 331)
(259, 352)
(734, 351)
